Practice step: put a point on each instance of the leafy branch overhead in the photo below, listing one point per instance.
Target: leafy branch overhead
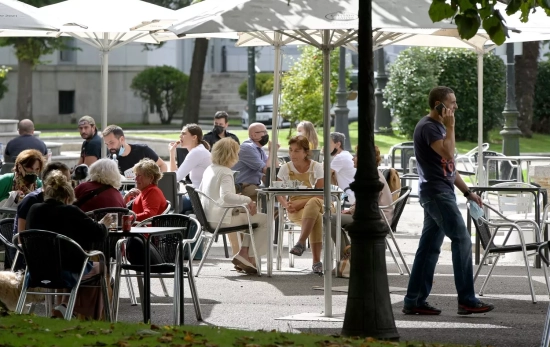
(470, 15)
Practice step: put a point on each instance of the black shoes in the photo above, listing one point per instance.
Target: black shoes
(425, 309)
(479, 307)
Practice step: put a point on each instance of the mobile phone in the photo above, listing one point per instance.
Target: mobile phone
(440, 108)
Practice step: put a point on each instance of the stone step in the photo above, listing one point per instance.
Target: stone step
(68, 158)
(55, 147)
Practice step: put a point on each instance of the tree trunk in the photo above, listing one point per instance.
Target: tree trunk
(194, 91)
(526, 76)
(24, 89)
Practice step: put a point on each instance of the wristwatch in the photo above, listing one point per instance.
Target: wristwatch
(468, 192)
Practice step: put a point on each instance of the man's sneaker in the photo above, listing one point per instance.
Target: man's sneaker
(479, 307)
(424, 309)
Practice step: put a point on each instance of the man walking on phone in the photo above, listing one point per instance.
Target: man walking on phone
(434, 146)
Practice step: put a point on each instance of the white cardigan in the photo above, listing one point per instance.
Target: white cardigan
(218, 184)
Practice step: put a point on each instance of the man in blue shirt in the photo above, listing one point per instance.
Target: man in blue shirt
(25, 205)
(434, 147)
(253, 161)
(25, 140)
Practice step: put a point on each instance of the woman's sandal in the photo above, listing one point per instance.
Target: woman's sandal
(318, 268)
(298, 249)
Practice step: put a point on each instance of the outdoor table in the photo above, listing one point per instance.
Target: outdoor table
(519, 159)
(271, 194)
(153, 231)
(536, 191)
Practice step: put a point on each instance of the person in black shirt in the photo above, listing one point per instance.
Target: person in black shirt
(25, 140)
(220, 130)
(128, 155)
(91, 147)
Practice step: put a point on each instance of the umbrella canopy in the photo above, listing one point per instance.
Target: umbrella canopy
(18, 15)
(272, 15)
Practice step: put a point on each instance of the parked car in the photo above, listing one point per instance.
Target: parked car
(264, 112)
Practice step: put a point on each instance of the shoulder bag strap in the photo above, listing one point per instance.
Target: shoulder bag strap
(91, 195)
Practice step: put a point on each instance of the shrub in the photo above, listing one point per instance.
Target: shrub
(164, 88)
(302, 91)
(541, 104)
(417, 70)
(264, 85)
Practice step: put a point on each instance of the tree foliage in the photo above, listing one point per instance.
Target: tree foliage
(417, 70)
(162, 87)
(302, 86)
(471, 15)
(264, 85)
(3, 76)
(541, 107)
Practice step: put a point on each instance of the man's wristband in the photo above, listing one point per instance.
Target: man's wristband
(467, 194)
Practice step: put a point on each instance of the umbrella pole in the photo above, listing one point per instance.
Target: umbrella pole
(327, 253)
(480, 170)
(104, 86)
(274, 138)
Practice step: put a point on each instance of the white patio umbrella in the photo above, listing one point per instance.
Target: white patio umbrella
(334, 23)
(106, 25)
(18, 15)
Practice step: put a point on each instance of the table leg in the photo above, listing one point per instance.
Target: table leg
(270, 222)
(180, 279)
(279, 231)
(146, 304)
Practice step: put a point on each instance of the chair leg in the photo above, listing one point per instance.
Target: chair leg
(106, 301)
(545, 272)
(225, 246)
(290, 245)
(22, 299)
(394, 258)
(194, 293)
(116, 293)
(133, 300)
(399, 252)
(163, 285)
(526, 259)
(486, 281)
(205, 253)
(256, 256)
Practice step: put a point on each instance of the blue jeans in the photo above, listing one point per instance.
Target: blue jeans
(441, 218)
(185, 204)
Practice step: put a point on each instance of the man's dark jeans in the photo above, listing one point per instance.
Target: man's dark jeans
(441, 218)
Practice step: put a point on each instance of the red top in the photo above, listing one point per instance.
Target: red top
(107, 198)
(150, 202)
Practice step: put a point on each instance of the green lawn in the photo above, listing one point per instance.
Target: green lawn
(22, 330)
(537, 144)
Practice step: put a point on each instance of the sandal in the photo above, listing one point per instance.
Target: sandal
(318, 268)
(298, 249)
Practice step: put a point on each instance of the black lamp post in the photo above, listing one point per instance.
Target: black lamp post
(251, 91)
(368, 310)
(382, 118)
(341, 123)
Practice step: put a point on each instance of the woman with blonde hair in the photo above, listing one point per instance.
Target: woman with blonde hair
(306, 211)
(57, 214)
(148, 199)
(218, 184)
(307, 129)
(24, 179)
(196, 161)
(102, 189)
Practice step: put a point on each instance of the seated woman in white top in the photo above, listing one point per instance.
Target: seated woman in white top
(196, 161)
(342, 164)
(218, 184)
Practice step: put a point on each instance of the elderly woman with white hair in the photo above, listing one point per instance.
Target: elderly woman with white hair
(102, 189)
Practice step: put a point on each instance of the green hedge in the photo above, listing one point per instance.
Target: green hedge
(541, 103)
(417, 70)
(264, 85)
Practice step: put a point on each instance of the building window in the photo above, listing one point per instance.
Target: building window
(66, 102)
(68, 55)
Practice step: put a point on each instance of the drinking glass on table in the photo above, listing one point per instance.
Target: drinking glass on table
(312, 179)
(114, 222)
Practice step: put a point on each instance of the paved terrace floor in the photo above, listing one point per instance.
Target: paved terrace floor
(233, 300)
